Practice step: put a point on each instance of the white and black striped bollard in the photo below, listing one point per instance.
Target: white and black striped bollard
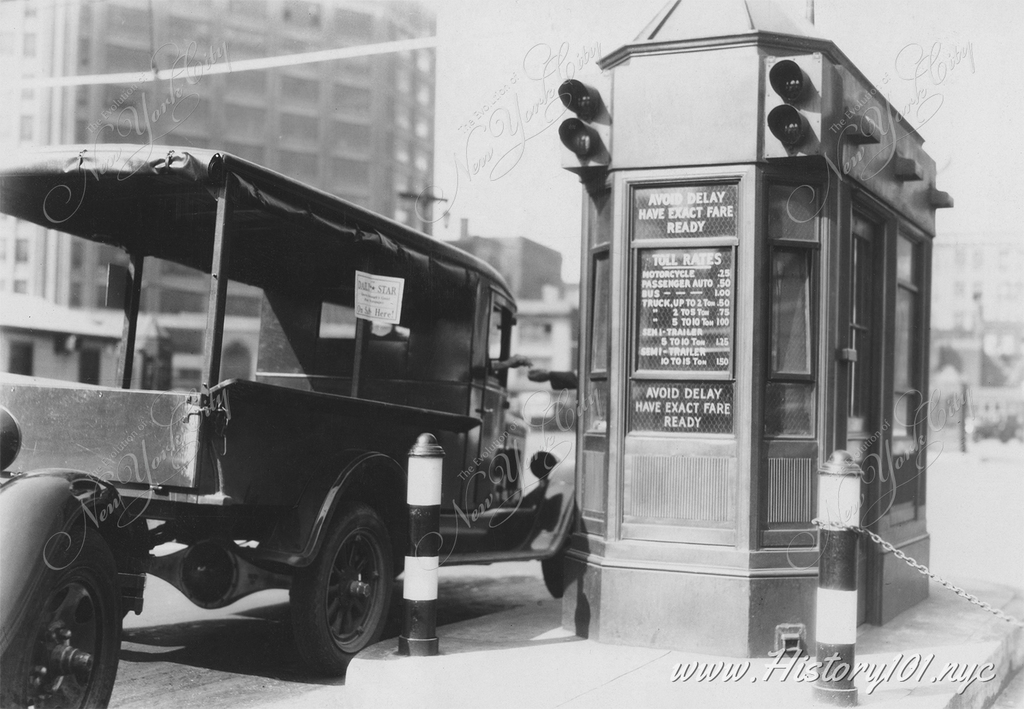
(419, 622)
(839, 482)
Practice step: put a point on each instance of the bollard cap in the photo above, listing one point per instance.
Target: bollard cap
(840, 463)
(426, 447)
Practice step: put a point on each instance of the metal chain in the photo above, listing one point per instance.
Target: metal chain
(921, 568)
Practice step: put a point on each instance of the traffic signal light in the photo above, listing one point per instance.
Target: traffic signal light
(585, 137)
(792, 106)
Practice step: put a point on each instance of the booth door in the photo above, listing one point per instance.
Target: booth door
(862, 377)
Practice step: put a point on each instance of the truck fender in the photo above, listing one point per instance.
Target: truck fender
(39, 514)
(367, 476)
(555, 519)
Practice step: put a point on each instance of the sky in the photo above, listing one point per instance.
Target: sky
(489, 53)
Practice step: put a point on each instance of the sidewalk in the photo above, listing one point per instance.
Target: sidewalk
(523, 658)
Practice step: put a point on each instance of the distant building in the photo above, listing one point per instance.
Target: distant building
(547, 333)
(977, 315)
(39, 338)
(529, 267)
(361, 128)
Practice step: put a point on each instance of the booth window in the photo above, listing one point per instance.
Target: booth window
(599, 235)
(793, 213)
(906, 394)
(596, 414)
(791, 312)
(790, 393)
(861, 294)
(599, 217)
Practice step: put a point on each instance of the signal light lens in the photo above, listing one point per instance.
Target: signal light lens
(577, 97)
(576, 136)
(788, 125)
(788, 80)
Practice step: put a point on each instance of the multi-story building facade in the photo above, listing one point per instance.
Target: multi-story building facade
(529, 267)
(977, 320)
(360, 127)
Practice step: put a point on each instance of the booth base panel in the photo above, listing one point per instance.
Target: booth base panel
(904, 585)
(691, 612)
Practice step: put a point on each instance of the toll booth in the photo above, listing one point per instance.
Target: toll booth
(757, 243)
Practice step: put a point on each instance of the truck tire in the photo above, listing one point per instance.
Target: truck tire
(64, 649)
(339, 603)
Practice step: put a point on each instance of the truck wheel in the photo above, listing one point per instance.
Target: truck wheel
(339, 603)
(64, 649)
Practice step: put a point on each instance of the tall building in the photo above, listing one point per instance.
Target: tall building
(361, 128)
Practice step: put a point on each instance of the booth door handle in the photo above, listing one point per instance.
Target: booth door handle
(846, 354)
(485, 410)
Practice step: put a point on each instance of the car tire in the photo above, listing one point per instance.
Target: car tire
(339, 603)
(65, 647)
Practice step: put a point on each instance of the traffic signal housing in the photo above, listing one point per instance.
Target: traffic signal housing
(793, 106)
(585, 137)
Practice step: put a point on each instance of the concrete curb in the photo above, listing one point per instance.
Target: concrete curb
(522, 657)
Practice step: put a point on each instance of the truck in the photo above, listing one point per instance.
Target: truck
(291, 474)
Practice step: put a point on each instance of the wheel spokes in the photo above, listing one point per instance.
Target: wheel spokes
(351, 586)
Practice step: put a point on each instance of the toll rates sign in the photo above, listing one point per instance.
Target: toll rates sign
(681, 407)
(681, 211)
(684, 310)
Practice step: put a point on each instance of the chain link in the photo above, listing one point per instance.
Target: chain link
(921, 568)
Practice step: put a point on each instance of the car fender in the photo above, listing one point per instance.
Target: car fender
(552, 497)
(40, 514)
(558, 508)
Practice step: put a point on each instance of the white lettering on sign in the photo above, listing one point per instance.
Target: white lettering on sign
(676, 198)
(379, 298)
(685, 407)
(685, 211)
(685, 309)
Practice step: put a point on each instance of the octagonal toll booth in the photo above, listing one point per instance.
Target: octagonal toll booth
(757, 244)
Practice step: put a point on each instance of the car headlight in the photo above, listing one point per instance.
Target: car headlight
(10, 438)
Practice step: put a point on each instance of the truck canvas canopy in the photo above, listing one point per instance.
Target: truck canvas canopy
(162, 202)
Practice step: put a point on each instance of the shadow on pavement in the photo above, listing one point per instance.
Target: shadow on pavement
(258, 642)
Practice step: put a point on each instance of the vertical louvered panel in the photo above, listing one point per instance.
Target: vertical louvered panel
(789, 490)
(687, 488)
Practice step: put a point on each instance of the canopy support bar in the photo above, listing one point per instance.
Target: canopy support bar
(218, 284)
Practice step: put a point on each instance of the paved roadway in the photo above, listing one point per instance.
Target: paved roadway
(974, 504)
(177, 655)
